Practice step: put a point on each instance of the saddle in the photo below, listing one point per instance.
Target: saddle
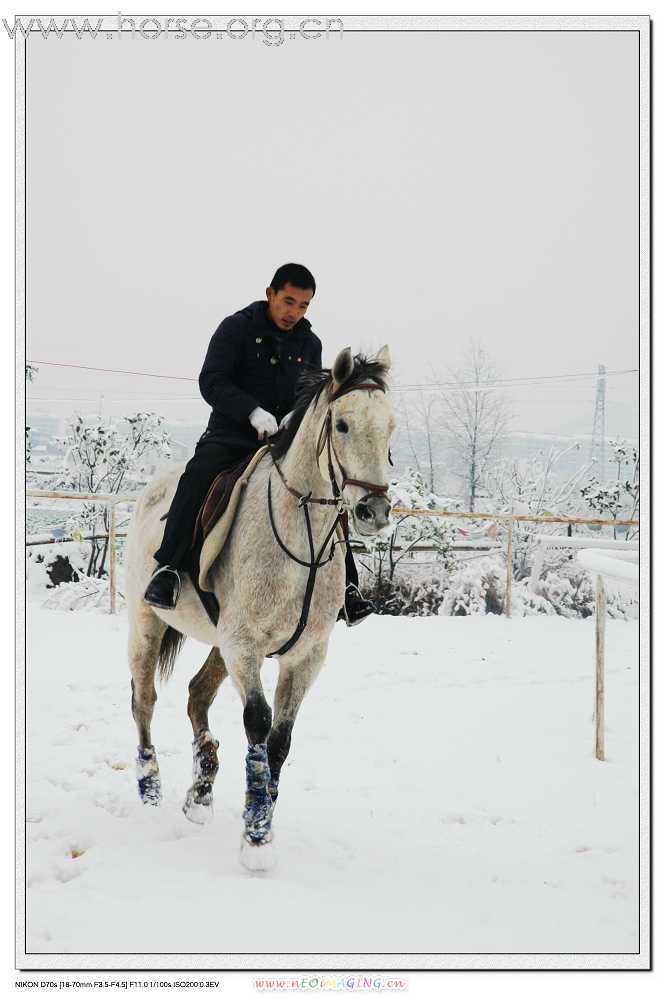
(215, 518)
(214, 522)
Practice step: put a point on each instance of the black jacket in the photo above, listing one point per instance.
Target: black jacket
(251, 362)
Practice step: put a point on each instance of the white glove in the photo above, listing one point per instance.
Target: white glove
(263, 422)
(285, 421)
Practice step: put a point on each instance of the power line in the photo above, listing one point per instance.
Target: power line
(509, 382)
(459, 386)
(110, 371)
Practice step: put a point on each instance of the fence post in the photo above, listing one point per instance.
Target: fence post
(507, 604)
(601, 606)
(112, 556)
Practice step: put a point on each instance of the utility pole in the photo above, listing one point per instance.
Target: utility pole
(597, 454)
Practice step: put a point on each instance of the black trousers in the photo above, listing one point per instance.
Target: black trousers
(213, 454)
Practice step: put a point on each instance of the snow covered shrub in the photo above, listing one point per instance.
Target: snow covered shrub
(61, 571)
(49, 566)
(618, 499)
(622, 604)
(533, 486)
(107, 456)
(477, 588)
(392, 591)
(408, 597)
(569, 591)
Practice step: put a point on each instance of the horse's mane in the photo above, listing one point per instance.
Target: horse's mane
(310, 386)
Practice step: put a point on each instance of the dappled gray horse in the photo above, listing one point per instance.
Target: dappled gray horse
(278, 568)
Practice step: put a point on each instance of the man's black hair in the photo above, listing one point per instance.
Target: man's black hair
(293, 274)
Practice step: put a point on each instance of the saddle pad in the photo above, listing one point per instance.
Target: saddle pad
(217, 498)
(216, 531)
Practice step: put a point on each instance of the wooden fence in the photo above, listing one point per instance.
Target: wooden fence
(111, 500)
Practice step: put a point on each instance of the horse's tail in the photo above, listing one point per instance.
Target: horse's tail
(170, 646)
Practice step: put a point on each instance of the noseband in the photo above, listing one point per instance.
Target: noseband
(325, 441)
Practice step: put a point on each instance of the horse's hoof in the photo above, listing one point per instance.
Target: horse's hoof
(197, 811)
(257, 857)
(150, 791)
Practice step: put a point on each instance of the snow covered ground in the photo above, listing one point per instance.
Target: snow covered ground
(441, 796)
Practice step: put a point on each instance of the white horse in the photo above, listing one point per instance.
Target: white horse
(333, 458)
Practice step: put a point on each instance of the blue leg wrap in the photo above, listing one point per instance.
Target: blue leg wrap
(147, 774)
(258, 803)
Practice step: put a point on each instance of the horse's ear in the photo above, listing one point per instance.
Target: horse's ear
(383, 357)
(343, 367)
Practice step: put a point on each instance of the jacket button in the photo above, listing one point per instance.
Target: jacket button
(273, 361)
(259, 339)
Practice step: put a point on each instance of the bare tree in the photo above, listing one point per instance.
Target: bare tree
(419, 417)
(475, 417)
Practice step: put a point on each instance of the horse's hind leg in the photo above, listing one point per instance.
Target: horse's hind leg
(145, 635)
(202, 690)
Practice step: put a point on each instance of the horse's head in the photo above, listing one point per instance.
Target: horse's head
(353, 447)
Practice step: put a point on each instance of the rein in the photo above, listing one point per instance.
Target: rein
(315, 562)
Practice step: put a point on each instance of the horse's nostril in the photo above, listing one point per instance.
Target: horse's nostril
(364, 512)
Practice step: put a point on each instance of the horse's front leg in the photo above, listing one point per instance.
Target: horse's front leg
(243, 663)
(297, 671)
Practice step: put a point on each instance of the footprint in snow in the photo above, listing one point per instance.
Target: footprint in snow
(471, 820)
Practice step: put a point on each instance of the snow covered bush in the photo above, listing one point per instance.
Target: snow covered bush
(569, 590)
(49, 566)
(617, 499)
(534, 487)
(108, 456)
(409, 597)
(390, 589)
(476, 588)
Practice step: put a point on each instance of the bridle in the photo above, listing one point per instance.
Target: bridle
(324, 442)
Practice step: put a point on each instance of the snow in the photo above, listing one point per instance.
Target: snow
(441, 795)
(614, 566)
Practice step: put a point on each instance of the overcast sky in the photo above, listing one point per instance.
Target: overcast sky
(441, 187)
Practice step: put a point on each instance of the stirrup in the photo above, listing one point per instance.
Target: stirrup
(370, 608)
(176, 595)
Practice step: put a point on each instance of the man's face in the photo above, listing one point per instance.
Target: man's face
(288, 305)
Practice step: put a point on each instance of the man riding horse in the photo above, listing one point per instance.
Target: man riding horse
(250, 379)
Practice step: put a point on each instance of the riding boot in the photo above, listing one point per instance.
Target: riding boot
(356, 607)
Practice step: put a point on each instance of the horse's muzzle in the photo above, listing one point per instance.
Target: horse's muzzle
(371, 514)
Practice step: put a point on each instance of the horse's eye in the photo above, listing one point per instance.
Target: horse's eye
(342, 426)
